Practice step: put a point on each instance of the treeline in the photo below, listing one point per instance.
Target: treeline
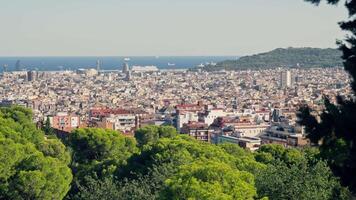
(289, 57)
(157, 164)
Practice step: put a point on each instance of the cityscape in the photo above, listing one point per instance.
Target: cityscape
(248, 108)
(178, 100)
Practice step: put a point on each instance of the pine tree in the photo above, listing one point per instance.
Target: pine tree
(47, 128)
(336, 130)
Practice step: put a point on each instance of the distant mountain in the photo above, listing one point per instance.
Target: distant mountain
(290, 57)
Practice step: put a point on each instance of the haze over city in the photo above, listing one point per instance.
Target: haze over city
(163, 27)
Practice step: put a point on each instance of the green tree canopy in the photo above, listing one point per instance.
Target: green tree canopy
(210, 180)
(97, 153)
(299, 181)
(93, 144)
(150, 134)
(31, 167)
(271, 152)
(47, 128)
(25, 172)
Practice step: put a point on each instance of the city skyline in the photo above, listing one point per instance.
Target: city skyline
(164, 28)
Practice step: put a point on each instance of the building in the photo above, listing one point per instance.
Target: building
(128, 76)
(18, 65)
(250, 143)
(144, 69)
(199, 107)
(285, 135)
(98, 65)
(244, 125)
(123, 120)
(91, 72)
(64, 122)
(125, 68)
(184, 117)
(31, 76)
(250, 129)
(210, 115)
(198, 130)
(286, 79)
(87, 72)
(126, 123)
(4, 69)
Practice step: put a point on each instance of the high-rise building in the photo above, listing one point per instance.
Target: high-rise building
(128, 76)
(286, 79)
(4, 69)
(98, 65)
(18, 65)
(31, 76)
(125, 68)
(276, 114)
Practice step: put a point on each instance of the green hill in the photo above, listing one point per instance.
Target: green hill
(290, 57)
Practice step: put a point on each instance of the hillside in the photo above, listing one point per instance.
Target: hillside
(290, 57)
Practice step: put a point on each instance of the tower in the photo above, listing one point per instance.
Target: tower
(125, 66)
(4, 69)
(31, 76)
(18, 65)
(98, 65)
(128, 75)
(286, 79)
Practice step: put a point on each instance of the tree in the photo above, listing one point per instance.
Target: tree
(30, 166)
(337, 127)
(210, 180)
(56, 149)
(272, 152)
(165, 157)
(94, 188)
(150, 134)
(147, 135)
(146, 187)
(94, 144)
(299, 181)
(296, 174)
(167, 132)
(16, 123)
(97, 153)
(47, 128)
(25, 173)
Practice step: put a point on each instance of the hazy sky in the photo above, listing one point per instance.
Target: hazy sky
(163, 27)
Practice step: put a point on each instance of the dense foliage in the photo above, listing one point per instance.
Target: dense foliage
(105, 164)
(31, 167)
(336, 129)
(290, 57)
(150, 134)
(296, 174)
(179, 167)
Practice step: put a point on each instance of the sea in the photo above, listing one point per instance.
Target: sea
(108, 63)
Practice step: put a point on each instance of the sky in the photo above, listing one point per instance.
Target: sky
(164, 27)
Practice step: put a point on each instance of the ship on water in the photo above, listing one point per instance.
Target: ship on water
(171, 64)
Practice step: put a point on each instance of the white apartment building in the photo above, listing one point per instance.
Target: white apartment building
(121, 122)
(185, 117)
(210, 115)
